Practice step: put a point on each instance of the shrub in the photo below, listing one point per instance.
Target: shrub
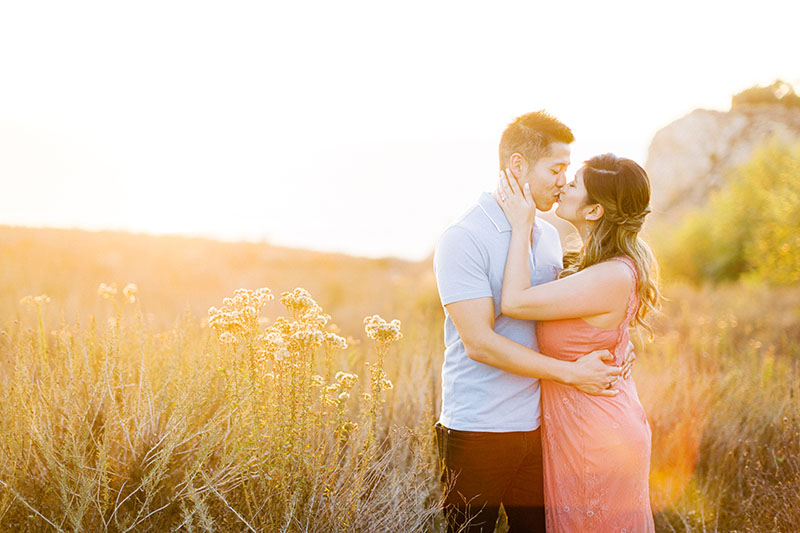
(750, 229)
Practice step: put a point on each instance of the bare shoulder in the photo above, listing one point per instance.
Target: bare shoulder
(613, 275)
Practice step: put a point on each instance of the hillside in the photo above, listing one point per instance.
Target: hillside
(175, 273)
(690, 158)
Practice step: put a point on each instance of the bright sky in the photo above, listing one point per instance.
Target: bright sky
(361, 127)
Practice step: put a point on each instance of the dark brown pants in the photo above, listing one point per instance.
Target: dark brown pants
(483, 470)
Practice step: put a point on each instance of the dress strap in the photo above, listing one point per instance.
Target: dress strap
(633, 298)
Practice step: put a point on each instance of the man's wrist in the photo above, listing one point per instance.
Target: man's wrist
(566, 374)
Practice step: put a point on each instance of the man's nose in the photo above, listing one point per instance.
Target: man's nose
(561, 180)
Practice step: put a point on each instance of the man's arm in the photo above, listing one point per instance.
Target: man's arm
(474, 320)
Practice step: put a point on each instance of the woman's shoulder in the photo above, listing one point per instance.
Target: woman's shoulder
(629, 265)
(616, 272)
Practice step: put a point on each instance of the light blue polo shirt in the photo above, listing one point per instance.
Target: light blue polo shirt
(469, 262)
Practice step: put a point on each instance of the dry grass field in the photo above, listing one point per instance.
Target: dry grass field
(135, 409)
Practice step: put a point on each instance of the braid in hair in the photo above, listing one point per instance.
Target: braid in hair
(622, 188)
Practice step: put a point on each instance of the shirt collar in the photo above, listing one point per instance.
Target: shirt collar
(495, 213)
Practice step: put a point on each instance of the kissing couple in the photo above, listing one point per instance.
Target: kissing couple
(539, 412)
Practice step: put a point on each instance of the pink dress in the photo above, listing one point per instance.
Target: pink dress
(596, 449)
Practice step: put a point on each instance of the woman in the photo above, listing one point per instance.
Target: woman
(596, 449)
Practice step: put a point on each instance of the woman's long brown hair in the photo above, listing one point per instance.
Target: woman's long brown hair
(622, 188)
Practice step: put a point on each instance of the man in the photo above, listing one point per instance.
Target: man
(488, 433)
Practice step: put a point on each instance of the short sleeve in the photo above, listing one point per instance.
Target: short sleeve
(461, 267)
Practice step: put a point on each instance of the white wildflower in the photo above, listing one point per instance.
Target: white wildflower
(107, 291)
(228, 338)
(130, 291)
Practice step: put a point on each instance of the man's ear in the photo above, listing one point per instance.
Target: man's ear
(595, 213)
(517, 164)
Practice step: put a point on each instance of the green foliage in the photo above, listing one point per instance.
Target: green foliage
(749, 230)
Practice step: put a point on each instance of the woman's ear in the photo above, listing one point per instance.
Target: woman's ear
(517, 165)
(595, 213)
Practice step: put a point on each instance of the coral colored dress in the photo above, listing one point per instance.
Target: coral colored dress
(596, 449)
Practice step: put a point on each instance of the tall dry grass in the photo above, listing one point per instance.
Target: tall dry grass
(720, 386)
(221, 427)
(154, 416)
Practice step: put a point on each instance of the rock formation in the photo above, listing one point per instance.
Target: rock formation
(691, 157)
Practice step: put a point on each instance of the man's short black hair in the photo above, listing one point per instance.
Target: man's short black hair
(531, 135)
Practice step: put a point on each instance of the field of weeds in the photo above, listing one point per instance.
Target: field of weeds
(149, 385)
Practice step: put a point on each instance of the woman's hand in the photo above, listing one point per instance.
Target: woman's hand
(517, 204)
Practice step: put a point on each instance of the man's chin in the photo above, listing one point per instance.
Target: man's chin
(544, 208)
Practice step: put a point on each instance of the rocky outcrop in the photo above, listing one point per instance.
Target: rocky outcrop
(691, 157)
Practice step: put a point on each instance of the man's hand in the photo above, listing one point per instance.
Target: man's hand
(590, 374)
(627, 363)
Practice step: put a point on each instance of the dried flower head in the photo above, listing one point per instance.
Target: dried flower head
(130, 291)
(300, 303)
(249, 312)
(346, 380)
(272, 339)
(306, 339)
(274, 344)
(107, 291)
(335, 342)
(319, 321)
(35, 300)
(327, 400)
(228, 338)
(280, 354)
(262, 296)
(330, 394)
(381, 331)
(239, 315)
